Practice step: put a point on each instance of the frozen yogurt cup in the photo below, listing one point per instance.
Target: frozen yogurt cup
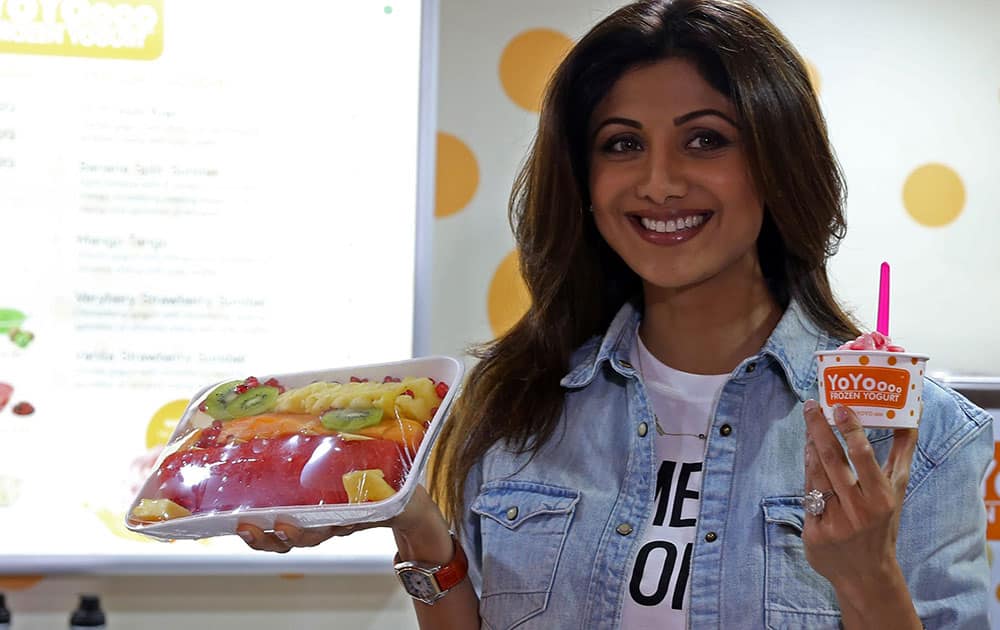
(879, 381)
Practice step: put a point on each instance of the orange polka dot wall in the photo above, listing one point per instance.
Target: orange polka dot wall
(909, 123)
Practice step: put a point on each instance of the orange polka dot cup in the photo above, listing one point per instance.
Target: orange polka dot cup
(883, 388)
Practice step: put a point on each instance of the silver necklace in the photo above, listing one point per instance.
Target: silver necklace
(656, 418)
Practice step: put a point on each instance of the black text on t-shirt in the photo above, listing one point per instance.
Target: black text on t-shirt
(670, 499)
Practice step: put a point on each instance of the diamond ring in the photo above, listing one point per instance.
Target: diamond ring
(814, 501)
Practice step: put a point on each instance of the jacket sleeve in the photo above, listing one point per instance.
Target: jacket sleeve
(469, 528)
(942, 545)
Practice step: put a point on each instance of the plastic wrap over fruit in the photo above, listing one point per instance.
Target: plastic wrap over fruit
(291, 444)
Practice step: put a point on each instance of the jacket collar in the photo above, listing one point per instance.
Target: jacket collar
(790, 346)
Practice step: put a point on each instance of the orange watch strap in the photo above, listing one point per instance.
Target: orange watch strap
(451, 574)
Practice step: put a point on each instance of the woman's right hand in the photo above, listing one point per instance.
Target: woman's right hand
(419, 514)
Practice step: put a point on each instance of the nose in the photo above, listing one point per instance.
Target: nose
(662, 179)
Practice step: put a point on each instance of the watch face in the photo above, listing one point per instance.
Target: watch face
(418, 584)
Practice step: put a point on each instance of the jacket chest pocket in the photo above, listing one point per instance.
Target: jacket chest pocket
(795, 596)
(523, 527)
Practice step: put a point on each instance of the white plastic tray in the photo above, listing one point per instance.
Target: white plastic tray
(205, 525)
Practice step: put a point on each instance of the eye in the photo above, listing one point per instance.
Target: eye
(622, 144)
(707, 140)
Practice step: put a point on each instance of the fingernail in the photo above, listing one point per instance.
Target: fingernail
(245, 535)
(811, 405)
(840, 414)
(280, 535)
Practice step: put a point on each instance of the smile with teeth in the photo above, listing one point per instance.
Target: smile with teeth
(673, 225)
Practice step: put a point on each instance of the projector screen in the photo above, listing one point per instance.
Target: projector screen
(191, 192)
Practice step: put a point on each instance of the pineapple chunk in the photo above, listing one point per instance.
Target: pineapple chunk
(423, 388)
(367, 485)
(156, 510)
(418, 409)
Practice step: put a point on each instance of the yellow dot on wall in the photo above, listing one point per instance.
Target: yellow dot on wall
(161, 425)
(508, 297)
(934, 195)
(528, 61)
(814, 77)
(457, 175)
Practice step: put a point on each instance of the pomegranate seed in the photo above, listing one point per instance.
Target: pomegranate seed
(273, 382)
(355, 379)
(441, 389)
(210, 435)
(242, 388)
(281, 389)
(409, 393)
(251, 380)
(203, 406)
(387, 379)
(434, 411)
(23, 409)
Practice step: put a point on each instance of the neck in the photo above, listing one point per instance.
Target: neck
(710, 327)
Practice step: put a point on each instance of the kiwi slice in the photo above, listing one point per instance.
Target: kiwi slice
(255, 400)
(351, 420)
(217, 400)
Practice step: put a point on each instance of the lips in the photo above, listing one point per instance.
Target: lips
(670, 228)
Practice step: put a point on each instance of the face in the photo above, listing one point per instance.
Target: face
(669, 179)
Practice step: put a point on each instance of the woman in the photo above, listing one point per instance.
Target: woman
(634, 452)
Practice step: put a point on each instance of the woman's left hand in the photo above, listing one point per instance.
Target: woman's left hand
(853, 542)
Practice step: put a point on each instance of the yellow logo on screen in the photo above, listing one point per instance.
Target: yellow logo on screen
(110, 29)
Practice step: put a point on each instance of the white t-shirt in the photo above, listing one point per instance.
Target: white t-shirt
(657, 595)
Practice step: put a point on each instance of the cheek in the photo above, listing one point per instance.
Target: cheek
(605, 227)
(607, 184)
(739, 195)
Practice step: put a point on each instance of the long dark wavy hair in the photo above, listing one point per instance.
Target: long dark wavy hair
(576, 282)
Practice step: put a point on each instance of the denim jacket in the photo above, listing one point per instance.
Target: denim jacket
(551, 538)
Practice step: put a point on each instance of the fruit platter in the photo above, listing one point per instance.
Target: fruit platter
(333, 447)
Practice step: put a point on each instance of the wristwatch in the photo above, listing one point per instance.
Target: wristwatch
(430, 582)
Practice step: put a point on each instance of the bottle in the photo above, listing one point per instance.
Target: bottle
(4, 614)
(88, 615)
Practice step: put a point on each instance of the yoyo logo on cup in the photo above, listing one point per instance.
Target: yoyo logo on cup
(872, 386)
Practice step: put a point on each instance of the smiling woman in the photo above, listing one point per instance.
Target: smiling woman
(636, 451)
(670, 185)
(690, 131)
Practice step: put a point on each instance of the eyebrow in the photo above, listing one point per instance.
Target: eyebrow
(680, 120)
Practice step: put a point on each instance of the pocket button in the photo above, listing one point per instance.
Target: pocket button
(512, 513)
(624, 529)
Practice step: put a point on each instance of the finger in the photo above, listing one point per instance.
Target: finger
(258, 539)
(897, 465)
(859, 450)
(816, 477)
(829, 452)
(309, 536)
